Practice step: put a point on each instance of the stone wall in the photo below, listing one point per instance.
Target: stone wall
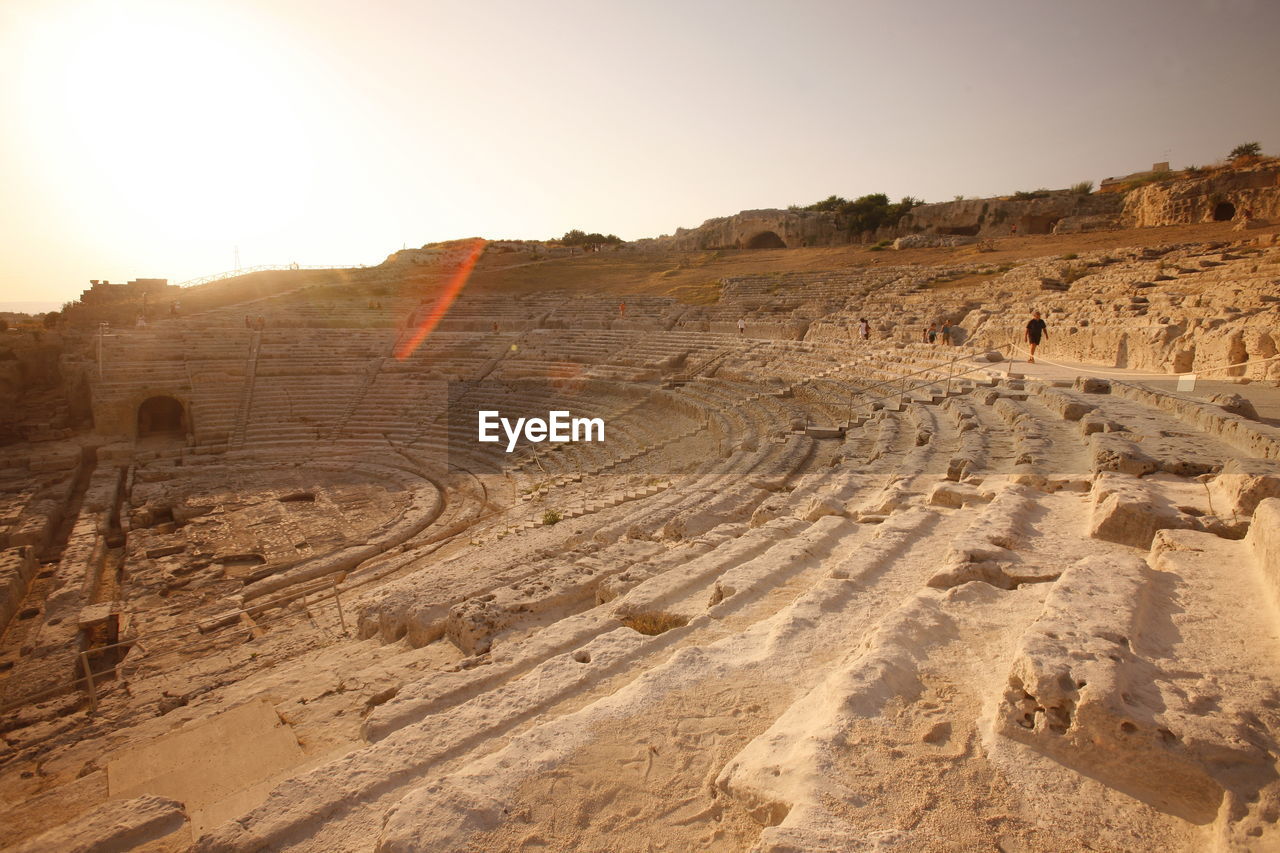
(1177, 202)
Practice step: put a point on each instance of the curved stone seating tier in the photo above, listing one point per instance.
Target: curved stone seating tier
(1023, 577)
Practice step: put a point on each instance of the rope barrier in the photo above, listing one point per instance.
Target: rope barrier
(1132, 375)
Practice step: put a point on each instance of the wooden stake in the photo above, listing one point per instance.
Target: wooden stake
(338, 601)
(88, 676)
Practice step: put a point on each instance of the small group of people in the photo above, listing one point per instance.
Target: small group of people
(935, 335)
(256, 324)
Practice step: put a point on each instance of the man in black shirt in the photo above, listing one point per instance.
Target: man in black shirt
(1035, 331)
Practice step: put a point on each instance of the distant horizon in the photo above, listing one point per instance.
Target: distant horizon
(136, 150)
(30, 307)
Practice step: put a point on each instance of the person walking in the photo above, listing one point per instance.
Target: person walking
(742, 325)
(931, 334)
(864, 329)
(1036, 330)
(946, 334)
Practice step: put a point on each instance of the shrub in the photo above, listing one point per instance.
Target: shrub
(866, 213)
(654, 622)
(1024, 195)
(1245, 149)
(1070, 256)
(1194, 171)
(1071, 273)
(577, 237)
(1082, 188)
(551, 516)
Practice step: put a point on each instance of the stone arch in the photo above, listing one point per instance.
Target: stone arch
(1224, 211)
(162, 415)
(766, 240)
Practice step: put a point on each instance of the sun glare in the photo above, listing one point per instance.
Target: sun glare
(176, 117)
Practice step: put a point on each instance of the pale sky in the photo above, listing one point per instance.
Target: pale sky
(151, 139)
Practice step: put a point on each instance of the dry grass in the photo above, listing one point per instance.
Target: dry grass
(693, 277)
(654, 622)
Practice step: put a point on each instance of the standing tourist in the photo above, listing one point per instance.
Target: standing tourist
(1036, 330)
(864, 329)
(742, 325)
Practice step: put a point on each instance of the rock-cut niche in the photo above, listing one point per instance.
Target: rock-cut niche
(161, 416)
(766, 240)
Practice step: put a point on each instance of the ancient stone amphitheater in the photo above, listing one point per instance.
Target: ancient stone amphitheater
(811, 593)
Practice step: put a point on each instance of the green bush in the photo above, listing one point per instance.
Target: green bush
(866, 213)
(1026, 195)
(1082, 188)
(551, 517)
(1245, 149)
(577, 237)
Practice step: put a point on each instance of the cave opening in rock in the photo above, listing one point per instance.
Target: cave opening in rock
(1224, 211)
(1038, 224)
(161, 416)
(766, 240)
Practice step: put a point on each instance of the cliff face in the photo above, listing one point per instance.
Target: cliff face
(1223, 196)
(759, 229)
(994, 217)
(990, 217)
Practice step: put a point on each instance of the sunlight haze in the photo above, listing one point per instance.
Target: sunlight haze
(149, 139)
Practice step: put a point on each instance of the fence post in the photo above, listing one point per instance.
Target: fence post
(88, 677)
(338, 601)
(951, 368)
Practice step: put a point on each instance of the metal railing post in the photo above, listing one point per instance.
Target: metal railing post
(88, 677)
(338, 601)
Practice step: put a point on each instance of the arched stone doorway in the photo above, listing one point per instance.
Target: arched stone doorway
(1224, 211)
(766, 240)
(162, 416)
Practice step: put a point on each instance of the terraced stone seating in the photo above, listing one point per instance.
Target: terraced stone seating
(793, 603)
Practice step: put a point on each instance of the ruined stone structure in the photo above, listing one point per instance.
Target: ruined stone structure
(812, 593)
(758, 229)
(991, 217)
(1222, 196)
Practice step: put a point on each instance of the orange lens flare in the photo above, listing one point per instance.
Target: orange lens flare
(444, 301)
